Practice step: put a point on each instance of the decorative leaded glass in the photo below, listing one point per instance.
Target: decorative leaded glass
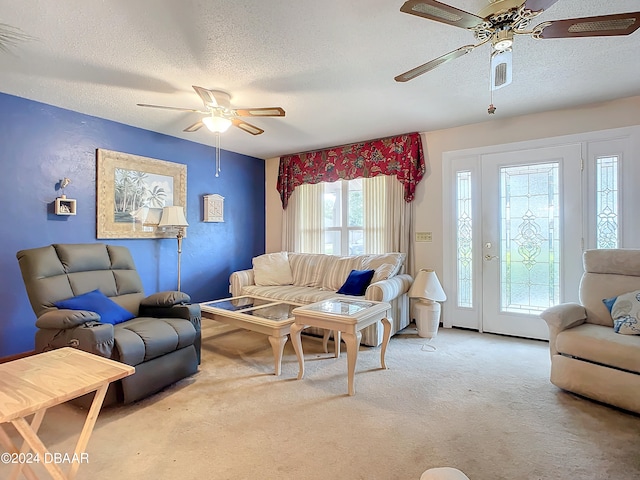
(464, 240)
(607, 202)
(530, 238)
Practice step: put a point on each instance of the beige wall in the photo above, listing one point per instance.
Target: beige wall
(428, 202)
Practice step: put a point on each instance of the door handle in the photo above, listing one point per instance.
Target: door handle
(490, 257)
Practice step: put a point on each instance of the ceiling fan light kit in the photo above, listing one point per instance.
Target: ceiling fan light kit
(219, 115)
(500, 21)
(217, 124)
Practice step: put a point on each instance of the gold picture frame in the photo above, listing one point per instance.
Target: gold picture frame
(131, 191)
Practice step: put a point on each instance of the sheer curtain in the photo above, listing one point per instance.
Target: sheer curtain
(302, 222)
(388, 218)
(387, 222)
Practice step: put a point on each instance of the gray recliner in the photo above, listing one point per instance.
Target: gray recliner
(163, 340)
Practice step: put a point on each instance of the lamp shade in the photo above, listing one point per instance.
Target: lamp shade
(427, 286)
(217, 124)
(173, 217)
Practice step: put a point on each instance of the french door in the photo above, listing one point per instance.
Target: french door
(519, 216)
(531, 236)
(518, 232)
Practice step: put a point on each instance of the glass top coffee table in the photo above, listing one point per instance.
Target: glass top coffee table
(345, 317)
(269, 317)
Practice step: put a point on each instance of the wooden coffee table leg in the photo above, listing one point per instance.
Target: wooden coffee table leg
(385, 340)
(277, 345)
(353, 345)
(297, 346)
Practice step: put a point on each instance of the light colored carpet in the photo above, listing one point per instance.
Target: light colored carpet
(480, 403)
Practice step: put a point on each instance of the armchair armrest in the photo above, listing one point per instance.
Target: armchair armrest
(565, 315)
(387, 290)
(240, 279)
(62, 319)
(165, 299)
(561, 317)
(91, 336)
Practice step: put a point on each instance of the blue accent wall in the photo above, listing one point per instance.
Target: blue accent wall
(40, 144)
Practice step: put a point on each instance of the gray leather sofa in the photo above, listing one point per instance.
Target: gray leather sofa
(163, 340)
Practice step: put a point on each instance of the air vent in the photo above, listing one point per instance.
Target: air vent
(500, 77)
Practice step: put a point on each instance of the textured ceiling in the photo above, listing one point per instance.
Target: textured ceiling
(330, 64)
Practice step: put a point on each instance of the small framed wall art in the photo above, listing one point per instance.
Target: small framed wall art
(213, 208)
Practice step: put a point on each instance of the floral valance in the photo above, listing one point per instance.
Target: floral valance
(401, 156)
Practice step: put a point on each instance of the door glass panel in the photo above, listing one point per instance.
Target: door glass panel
(607, 202)
(530, 238)
(464, 240)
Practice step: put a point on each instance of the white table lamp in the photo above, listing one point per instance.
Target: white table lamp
(174, 217)
(427, 288)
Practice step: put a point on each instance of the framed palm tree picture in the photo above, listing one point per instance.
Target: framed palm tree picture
(132, 191)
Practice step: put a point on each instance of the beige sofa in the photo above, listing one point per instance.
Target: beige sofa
(316, 277)
(587, 356)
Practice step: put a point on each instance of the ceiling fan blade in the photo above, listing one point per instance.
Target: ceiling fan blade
(538, 5)
(170, 108)
(207, 96)
(441, 12)
(259, 112)
(195, 127)
(600, 26)
(501, 69)
(247, 127)
(427, 67)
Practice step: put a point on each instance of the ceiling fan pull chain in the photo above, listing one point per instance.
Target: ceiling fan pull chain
(491, 110)
(217, 134)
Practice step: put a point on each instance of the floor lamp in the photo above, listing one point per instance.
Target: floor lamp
(428, 290)
(174, 217)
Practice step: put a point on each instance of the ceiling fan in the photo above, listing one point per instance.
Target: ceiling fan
(219, 115)
(499, 21)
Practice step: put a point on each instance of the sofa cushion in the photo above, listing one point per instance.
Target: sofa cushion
(356, 283)
(600, 344)
(307, 268)
(291, 293)
(272, 269)
(96, 301)
(384, 272)
(374, 262)
(337, 270)
(626, 313)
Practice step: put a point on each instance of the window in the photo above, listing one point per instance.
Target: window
(343, 217)
(349, 217)
(464, 239)
(607, 202)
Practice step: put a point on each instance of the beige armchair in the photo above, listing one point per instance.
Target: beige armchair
(587, 356)
(159, 335)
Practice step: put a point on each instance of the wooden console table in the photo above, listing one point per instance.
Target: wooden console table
(32, 384)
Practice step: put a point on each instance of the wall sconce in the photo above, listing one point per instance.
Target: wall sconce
(64, 205)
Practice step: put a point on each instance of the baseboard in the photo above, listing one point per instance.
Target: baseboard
(10, 358)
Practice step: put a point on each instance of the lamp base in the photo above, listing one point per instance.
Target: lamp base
(427, 316)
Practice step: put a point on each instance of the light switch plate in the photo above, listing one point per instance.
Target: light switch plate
(424, 237)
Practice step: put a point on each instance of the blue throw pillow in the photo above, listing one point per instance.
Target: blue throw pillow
(608, 302)
(357, 282)
(96, 301)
